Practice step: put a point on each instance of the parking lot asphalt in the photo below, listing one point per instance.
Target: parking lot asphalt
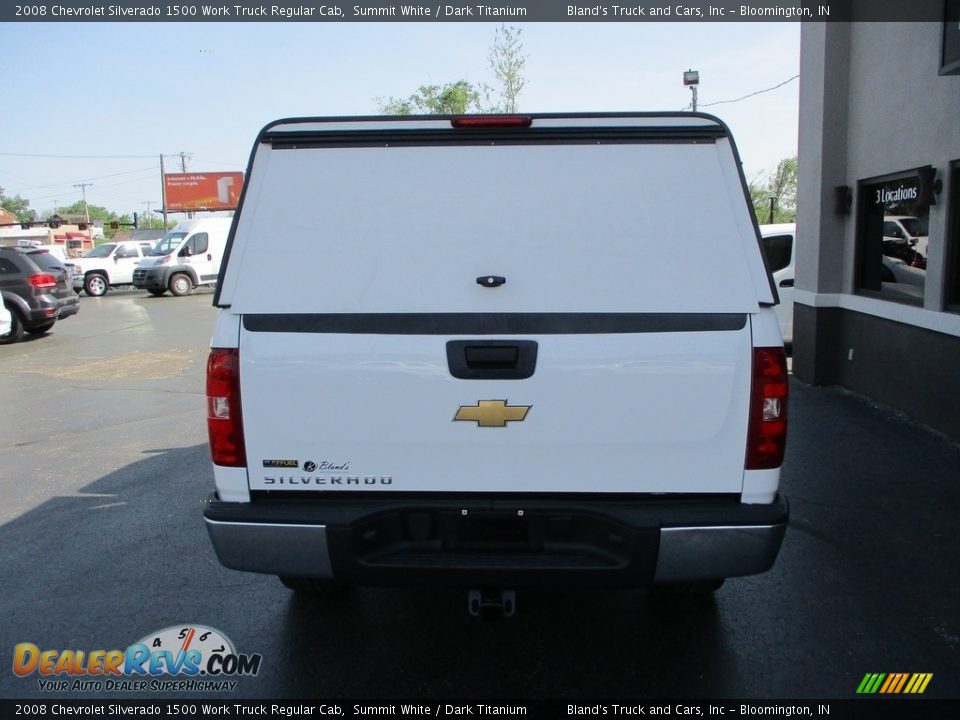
(104, 471)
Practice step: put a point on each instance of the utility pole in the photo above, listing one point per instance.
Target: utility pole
(163, 191)
(184, 156)
(183, 169)
(83, 189)
(148, 203)
(691, 78)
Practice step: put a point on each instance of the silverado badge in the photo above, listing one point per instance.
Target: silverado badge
(492, 413)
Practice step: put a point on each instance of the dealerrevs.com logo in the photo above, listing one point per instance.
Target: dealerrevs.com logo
(179, 658)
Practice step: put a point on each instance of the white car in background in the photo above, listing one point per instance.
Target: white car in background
(5, 323)
(906, 229)
(57, 251)
(778, 243)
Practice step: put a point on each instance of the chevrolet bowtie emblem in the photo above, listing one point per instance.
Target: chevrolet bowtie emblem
(492, 413)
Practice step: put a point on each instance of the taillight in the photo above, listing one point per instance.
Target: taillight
(767, 434)
(224, 422)
(42, 281)
(487, 121)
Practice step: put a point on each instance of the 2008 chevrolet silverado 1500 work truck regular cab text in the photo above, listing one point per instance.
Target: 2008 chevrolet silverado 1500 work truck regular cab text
(496, 351)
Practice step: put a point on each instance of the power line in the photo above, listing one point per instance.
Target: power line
(100, 187)
(758, 92)
(97, 177)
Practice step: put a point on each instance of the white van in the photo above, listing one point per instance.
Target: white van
(186, 257)
(500, 375)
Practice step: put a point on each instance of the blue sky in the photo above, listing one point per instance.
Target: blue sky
(127, 89)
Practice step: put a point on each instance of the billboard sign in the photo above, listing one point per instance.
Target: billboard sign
(202, 191)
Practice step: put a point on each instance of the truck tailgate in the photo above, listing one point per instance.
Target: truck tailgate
(660, 407)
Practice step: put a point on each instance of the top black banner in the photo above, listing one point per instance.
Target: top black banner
(514, 11)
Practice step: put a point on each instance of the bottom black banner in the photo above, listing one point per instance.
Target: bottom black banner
(168, 708)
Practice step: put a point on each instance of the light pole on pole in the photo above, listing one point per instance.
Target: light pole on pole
(83, 189)
(691, 78)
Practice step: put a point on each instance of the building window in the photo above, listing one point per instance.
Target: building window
(953, 239)
(892, 220)
(950, 45)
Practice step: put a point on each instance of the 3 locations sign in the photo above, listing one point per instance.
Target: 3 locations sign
(184, 192)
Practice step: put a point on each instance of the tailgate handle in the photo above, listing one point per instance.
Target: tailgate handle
(492, 356)
(492, 359)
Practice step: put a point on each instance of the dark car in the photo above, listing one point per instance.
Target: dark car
(37, 290)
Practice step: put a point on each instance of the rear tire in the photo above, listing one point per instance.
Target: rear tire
(16, 329)
(41, 329)
(157, 292)
(311, 586)
(95, 285)
(181, 284)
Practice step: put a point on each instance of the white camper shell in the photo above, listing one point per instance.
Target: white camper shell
(186, 257)
(495, 351)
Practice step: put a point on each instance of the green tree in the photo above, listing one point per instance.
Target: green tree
(507, 62)
(154, 222)
(781, 185)
(454, 98)
(17, 205)
(97, 213)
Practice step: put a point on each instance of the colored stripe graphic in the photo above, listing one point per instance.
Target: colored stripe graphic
(871, 683)
(899, 687)
(919, 682)
(894, 683)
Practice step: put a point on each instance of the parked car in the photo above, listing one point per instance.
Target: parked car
(5, 324)
(906, 230)
(60, 254)
(778, 242)
(109, 265)
(902, 279)
(57, 251)
(36, 291)
(46, 259)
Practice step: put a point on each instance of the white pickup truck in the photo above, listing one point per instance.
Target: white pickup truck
(495, 351)
(109, 265)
